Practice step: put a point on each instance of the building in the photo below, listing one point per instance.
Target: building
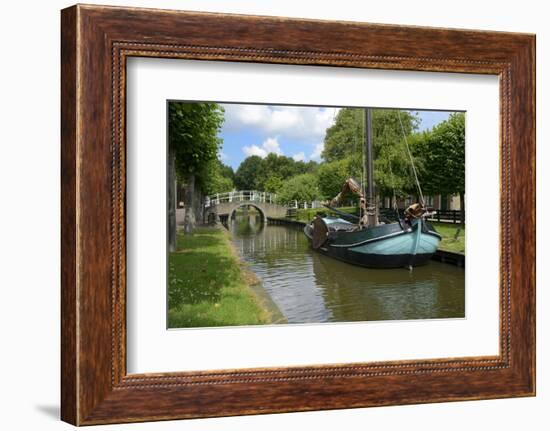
(437, 202)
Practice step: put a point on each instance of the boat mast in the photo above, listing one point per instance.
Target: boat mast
(368, 165)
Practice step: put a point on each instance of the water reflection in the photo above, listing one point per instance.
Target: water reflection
(311, 288)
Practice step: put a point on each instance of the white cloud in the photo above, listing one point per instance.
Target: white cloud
(223, 157)
(289, 121)
(316, 155)
(299, 157)
(254, 150)
(270, 145)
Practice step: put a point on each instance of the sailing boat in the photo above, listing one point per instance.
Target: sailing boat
(365, 241)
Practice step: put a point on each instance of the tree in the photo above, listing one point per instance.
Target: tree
(310, 167)
(273, 184)
(193, 136)
(345, 139)
(331, 176)
(302, 187)
(442, 150)
(255, 172)
(250, 173)
(193, 144)
(226, 171)
(220, 178)
(280, 166)
(221, 185)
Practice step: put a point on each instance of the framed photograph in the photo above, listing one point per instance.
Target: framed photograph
(263, 214)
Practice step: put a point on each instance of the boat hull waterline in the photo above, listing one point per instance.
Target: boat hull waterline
(393, 245)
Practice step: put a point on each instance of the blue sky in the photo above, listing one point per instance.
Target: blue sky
(293, 131)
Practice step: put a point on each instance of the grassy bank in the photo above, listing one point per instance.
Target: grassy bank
(209, 285)
(448, 243)
(446, 230)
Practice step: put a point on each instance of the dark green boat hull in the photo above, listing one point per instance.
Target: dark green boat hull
(392, 245)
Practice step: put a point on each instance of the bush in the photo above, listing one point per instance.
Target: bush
(331, 176)
(301, 188)
(273, 184)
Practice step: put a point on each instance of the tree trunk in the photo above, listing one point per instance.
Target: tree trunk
(199, 202)
(189, 221)
(462, 216)
(171, 201)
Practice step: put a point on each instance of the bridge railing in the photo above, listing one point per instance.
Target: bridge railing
(240, 196)
(304, 204)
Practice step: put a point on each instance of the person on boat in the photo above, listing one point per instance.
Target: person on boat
(364, 221)
(412, 212)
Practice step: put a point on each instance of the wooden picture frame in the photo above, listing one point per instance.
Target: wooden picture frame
(95, 43)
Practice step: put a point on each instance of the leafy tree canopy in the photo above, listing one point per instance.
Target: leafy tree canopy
(221, 178)
(345, 140)
(281, 166)
(250, 173)
(193, 137)
(273, 184)
(254, 172)
(332, 175)
(302, 187)
(226, 171)
(311, 166)
(442, 150)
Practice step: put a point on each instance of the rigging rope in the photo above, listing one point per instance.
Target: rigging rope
(364, 168)
(350, 174)
(395, 207)
(411, 159)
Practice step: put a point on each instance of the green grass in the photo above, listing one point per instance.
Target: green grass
(448, 231)
(209, 285)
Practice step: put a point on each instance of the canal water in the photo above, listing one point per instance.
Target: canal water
(311, 288)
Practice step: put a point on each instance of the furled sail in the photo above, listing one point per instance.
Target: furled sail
(350, 186)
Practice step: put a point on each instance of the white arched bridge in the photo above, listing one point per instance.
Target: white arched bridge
(222, 205)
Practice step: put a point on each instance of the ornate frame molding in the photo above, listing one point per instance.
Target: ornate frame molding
(96, 41)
